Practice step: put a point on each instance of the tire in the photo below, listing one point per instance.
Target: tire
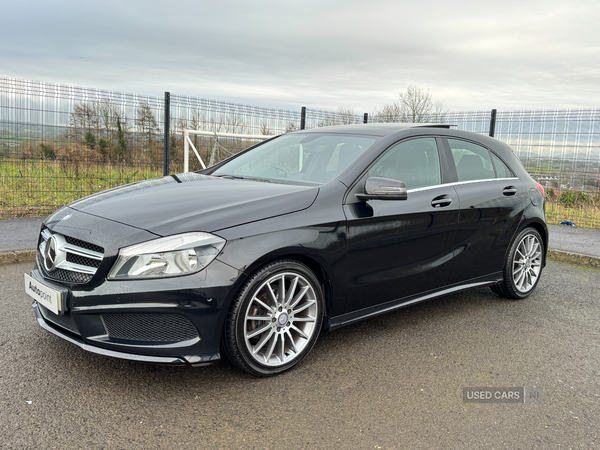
(523, 267)
(275, 319)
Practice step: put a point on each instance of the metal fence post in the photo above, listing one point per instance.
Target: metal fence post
(493, 123)
(366, 118)
(303, 118)
(167, 132)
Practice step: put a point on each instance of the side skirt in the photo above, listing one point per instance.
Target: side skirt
(367, 313)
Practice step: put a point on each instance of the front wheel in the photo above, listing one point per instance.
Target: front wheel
(275, 320)
(523, 266)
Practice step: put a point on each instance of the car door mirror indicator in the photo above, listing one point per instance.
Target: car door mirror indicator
(379, 188)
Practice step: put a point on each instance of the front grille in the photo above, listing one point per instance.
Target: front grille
(65, 321)
(83, 244)
(149, 327)
(82, 260)
(65, 276)
(77, 260)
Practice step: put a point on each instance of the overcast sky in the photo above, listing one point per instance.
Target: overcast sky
(323, 54)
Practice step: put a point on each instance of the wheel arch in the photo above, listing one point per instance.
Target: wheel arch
(235, 343)
(322, 274)
(542, 229)
(537, 225)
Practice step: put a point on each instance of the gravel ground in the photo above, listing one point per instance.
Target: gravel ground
(395, 381)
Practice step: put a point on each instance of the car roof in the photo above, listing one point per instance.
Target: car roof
(373, 129)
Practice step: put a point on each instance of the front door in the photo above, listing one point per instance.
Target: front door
(399, 248)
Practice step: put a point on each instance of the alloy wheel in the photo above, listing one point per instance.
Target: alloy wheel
(280, 319)
(527, 263)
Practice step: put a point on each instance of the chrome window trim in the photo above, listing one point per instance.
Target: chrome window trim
(457, 183)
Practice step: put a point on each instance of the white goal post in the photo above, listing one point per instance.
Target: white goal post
(187, 143)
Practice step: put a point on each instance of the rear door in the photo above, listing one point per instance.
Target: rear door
(492, 201)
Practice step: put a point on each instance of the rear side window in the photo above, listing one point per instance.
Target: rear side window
(416, 162)
(473, 162)
(502, 170)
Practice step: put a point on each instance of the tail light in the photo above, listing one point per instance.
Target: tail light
(541, 189)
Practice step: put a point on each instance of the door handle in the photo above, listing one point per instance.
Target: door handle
(509, 190)
(441, 201)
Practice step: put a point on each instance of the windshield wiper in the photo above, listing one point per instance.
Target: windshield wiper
(238, 177)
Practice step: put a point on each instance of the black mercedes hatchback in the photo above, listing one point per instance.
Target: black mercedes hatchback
(308, 231)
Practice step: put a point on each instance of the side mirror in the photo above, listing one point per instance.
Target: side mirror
(378, 188)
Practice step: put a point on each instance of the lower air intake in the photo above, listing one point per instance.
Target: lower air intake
(66, 321)
(149, 327)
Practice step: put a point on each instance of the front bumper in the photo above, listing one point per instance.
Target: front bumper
(157, 321)
(175, 320)
(55, 329)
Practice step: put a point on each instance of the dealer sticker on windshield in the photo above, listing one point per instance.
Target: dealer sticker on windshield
(44, 295)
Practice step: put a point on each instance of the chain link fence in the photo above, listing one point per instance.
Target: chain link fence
(559, 148)
(59, 143)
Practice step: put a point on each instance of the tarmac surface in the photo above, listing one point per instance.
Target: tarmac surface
(22, 235)
(19, 234)
(395, 381)
(585, 241)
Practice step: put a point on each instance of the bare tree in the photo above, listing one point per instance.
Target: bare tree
(390, 112)
(346, 116)
(102, 126)
(265, 129)
(108, 113)
(146, 124)
(228, 123)
(197, 121)
(415, 105)
(291, 126)
(83, 120)
(328, 121)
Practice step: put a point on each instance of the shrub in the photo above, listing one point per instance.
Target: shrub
(47, 151)
(570, 199)
(75, 157)
(90, 140)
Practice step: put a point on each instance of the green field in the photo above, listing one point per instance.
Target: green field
(585, 216)
(32, 188)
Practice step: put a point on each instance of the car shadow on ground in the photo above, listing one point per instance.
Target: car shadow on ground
(361, 344)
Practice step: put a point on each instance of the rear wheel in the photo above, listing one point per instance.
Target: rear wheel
(275, 319)
(523, 267)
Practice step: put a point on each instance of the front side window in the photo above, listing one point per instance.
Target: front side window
(312, 158)
(472, 161)
(416, 162)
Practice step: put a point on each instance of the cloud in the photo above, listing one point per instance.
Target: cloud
(322, 54)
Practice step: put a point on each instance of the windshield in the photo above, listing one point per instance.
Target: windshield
(313, 158)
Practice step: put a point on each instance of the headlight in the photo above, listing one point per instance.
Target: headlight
(171, 256)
